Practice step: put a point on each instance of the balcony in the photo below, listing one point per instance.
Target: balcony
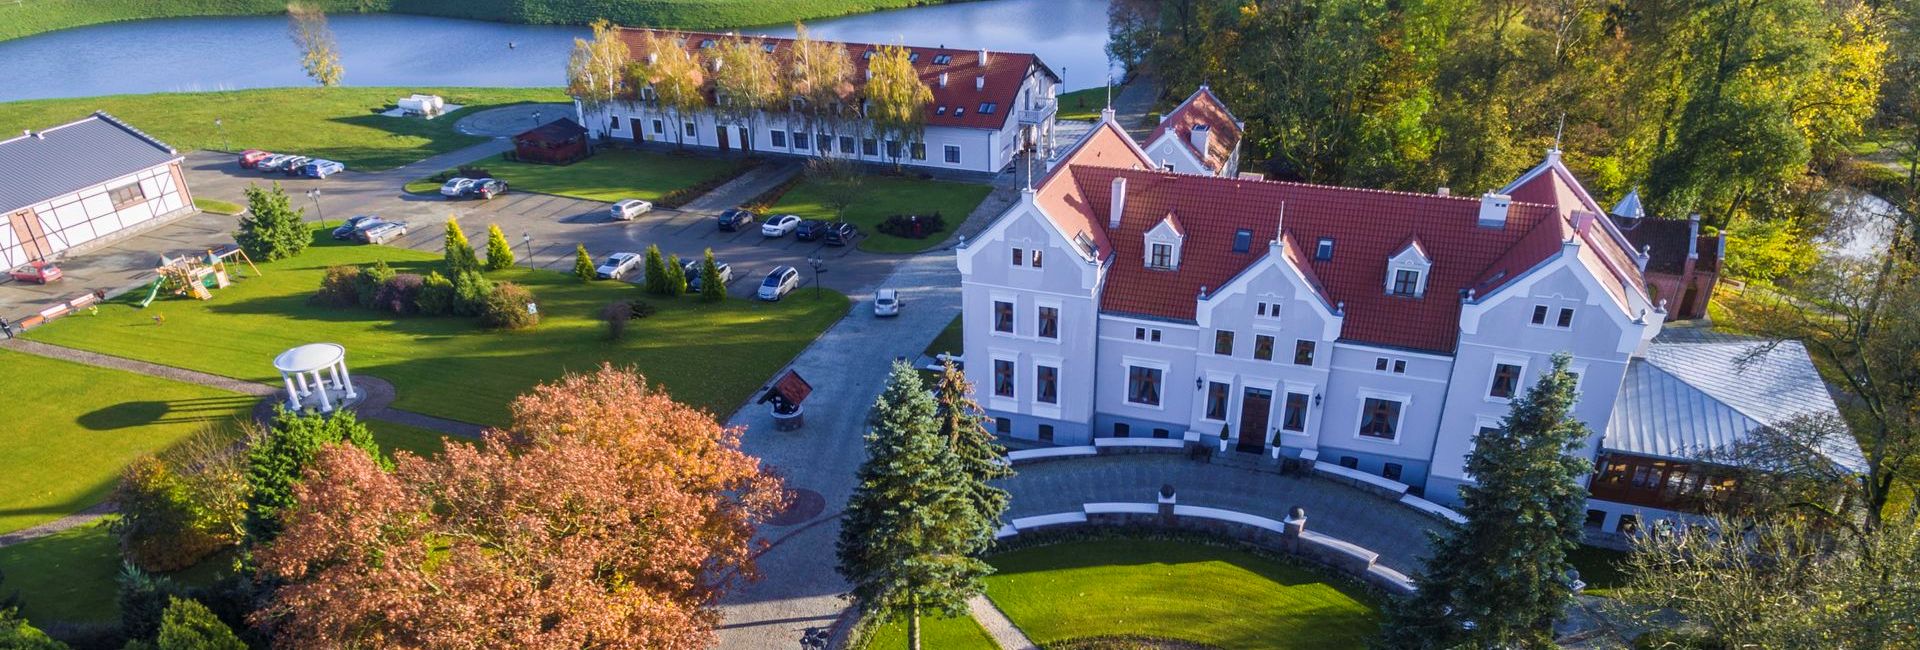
(1039, 111)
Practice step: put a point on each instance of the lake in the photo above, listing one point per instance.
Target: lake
(224, 53)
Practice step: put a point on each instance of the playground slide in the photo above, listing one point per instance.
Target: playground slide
(152, 292)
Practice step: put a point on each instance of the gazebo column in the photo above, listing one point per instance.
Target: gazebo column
(326, 405)
(304, 391)
(346, 380)
(293, 395)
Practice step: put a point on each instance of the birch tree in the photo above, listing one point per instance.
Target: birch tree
(820, 75)
(897, 98)
(596, 71)
(319, 52)
(747, 83)
(675, 76)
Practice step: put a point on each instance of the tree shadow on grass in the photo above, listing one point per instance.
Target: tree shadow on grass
(136, 413)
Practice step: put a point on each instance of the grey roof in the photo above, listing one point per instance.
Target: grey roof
(1629, 206)
(1685, 399)
(62, 159)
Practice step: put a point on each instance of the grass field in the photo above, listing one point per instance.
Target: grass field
(396, 437)
(69, 428)
(1214, 596)
(332, 123)
(611, 175)
(67, 576)
(218, 206)
(712, 356)
(950, 340)
(959, 633)
(1084, 104)
(1600, 568)
(27, 17)
(884, 196)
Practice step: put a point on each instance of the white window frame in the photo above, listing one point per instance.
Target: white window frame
(1409, 258)
(995, 400)
(1493, 371)
(1217, 378)
(1059, 319)
(1045, 409)
(951, 154)
(1399, 421)
(1306, 421)
(993, 315)
(1163, 234)
(1127, 364)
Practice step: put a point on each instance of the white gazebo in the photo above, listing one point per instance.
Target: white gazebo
(314, 370)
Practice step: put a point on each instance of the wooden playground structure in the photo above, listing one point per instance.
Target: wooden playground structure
(196, 276)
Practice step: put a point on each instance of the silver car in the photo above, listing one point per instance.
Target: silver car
(617, 266)
(455, 186)
(781, 281)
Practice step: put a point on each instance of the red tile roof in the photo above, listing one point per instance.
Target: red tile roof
(1106, 146)
(1202, 108)
(961, 100)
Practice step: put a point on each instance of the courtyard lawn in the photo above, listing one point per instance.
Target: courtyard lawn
(1084, 104)
(68, 576)
(1601, 568)
(1214, 596)
(218, 206)
(69, 428)
(610, 175)
(333, 123)
(711, 356)
(951, 340)
(884, 196)
(958, 633)
(394, 437)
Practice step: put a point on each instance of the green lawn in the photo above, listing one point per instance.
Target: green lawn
(20, 18)
(71, 427)
(1084, 104)
(68, 576)
(217, 206)
(611, 175)
(712, 356)
(884, 196)
(950, 340)
(1600, 568)
(395, 437)
(1214, 596)
(959, 633)
(333, 123)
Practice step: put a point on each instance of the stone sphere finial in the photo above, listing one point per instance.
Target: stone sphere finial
(1166, 490)
(1297, 512)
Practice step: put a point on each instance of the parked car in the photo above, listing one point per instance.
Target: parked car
(780, 281)
(735, 218)
(617, 266)
(291, 166)
(779, 226)
(382, 232)
(692, 268)
(321, 168)
(811, 229)
(251, 158)
(486, 188)
(842, 233)
(630, 209)
(275, 162)
(456, 186)
(886, 302)
(355, 224)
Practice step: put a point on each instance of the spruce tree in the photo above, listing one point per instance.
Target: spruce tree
(460, 257)
(979, 458)
(908, 541)
(656, 269)
(1500, 579)
(676, 283)
(277, 456)
(712, 289)
(272, 229)
(582, 263)
(499, 253)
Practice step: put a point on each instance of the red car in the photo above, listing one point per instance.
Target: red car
(37, 273)
(251, 158)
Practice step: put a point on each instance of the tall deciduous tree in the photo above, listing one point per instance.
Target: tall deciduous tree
(819, 74)
(184, 504)
(607, 515)
(677, 80)
(897, 99)
(499, 252)
(319, 51)
(459, 252)
(747, 83)
(597, 69)
(272, 229)
(1500, 579)
(910, 539)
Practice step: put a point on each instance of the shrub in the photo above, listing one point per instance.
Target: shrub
(340, 287)
(371, 278)
(459, 253)
(616, 314)
(436, 295)
(143, 602)
(180, 506)
(16, 634)
(676, 280)
(189, 625)
(470, 291)
(506, 308)
(908, 226)
(499, 254)
(272, 229)
(582, 263)
(642, 309)
(471, 171)
(400, 294)
(711, 288)
(656, 280)
(277, 456)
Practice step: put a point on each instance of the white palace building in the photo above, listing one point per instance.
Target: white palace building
(986, 107)
(1368, 332)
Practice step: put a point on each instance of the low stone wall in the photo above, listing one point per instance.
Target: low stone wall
(1289, 536)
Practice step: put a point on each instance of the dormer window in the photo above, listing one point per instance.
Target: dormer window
(1407, 270)
(942, 59)
(1242, 240)
(1163, 244)
(1324, 250)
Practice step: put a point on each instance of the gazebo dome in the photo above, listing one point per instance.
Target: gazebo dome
(310, 357)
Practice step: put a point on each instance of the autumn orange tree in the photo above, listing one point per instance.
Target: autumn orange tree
(607, 516)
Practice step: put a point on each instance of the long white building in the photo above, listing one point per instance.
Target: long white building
(1369, 331)
(987, 106)
(71, 187)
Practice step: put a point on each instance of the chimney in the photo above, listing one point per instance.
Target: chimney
(1493, 210)
(980, 82)
(1117, 202)
(1443, 192)
(983, 57)
(943, 80)
(1201, 137)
